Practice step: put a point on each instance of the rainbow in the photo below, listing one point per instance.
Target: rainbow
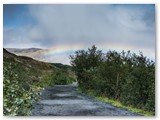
(60, 50)
(68, 50)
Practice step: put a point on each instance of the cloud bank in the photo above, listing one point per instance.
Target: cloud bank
(107, 26)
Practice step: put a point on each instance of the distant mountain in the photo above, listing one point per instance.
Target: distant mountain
(24, 50)
(41, 55)
(35, 53)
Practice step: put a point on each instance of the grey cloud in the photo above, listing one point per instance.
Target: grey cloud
(89, 24)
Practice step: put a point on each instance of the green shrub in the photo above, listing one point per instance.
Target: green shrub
(123, 76)
(17, 99)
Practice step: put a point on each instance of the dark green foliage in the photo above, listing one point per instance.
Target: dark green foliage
(124, 76)
(18, 93)
(61, 78)
(84, 63)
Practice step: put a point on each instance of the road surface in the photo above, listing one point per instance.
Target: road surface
(65, 100)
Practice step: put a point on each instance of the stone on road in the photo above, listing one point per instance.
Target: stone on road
(65, 100)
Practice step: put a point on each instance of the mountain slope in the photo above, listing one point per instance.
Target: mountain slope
(25, 61)
(28, 70)
(24, 50)
(31, 68)
(45, 55)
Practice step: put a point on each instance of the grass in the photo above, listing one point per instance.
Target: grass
(118, 104)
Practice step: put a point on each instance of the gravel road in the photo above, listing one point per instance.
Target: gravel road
(65, 100)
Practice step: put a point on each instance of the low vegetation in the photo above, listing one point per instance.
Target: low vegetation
(121, 76)
(59, 77)
(119, 104)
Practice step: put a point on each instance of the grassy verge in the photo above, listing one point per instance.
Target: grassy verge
(118, 104)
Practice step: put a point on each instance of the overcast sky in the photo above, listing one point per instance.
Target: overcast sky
(115, 27)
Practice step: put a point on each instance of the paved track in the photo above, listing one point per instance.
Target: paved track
(65, 100)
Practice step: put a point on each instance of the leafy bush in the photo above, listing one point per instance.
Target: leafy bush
(17, 97)
(123, 76)
(61, 77)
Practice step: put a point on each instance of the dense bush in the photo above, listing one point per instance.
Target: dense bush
(123, 76)
(61, 77)
(18, 94)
